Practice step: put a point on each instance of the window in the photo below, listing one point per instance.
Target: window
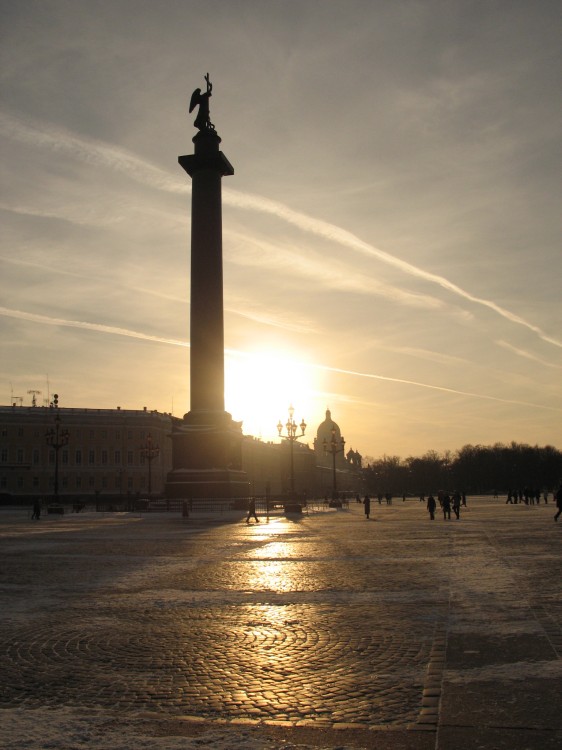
(35, 482)
(104, 434)
(36, 456)
(118, 435)
(65, 482)
(104, 482)
(3, 482)
(20, 456)
(104, 458)
(130, 458)
(129, 482)
(4, 455)
(78, 482)
(91, 481)
(65, 457)
(20, 431)
(117, 457)
(91, 456)
(78, 457)
(129, 434)
(92, 433)
(20, 483)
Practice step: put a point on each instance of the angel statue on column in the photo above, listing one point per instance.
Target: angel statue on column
(202, 121)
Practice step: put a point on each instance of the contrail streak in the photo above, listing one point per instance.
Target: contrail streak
(33, 317)
(101, 328)
(371, 376)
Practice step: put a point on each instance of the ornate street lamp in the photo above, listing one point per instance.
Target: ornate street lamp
(332, 447)
(57, 438)
(291, 428)
(149, 451)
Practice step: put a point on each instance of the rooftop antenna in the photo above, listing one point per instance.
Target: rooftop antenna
(17, 398)
(34, 395)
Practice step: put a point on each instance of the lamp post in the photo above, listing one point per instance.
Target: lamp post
(291, 428)
(332, 447)
(149, 451)
(56, 438)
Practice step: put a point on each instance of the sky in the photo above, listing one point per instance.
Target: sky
(391, 233)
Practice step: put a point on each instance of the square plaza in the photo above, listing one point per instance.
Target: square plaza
(327, 630)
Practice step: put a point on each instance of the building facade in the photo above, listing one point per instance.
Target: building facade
(104, 455)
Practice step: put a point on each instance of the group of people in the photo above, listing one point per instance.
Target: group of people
(447, 503)
(527, 496)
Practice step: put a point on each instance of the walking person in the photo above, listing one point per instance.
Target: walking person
(446, 507)
(457, 505)
(367, 504)
(252, 511)
(36, 510)
(431, 505)
(558, 498)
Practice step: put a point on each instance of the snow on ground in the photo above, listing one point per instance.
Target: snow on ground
(63, 729)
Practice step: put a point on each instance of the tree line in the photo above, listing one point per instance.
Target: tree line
(475, 469)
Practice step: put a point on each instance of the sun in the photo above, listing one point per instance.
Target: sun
(260, 387)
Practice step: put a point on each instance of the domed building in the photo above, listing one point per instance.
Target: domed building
(328, 434)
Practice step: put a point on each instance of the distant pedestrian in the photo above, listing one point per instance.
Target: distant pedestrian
(252, 511)
(431, 505)
(367, 504)
(457, 505)
(558, 498)
(446, 505)
(36, 510)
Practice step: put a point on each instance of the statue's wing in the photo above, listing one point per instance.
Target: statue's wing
(194, 99)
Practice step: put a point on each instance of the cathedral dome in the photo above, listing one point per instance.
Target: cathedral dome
(328, 432)
(325, 428)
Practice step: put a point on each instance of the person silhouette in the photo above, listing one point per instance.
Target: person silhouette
(252, 511)
(431, 505)
(558, 498)
(367, 504)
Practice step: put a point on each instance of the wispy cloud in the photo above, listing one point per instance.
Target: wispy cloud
(98, 153)
(100, 328)
(470, 394)
(114, 330)
(527, 355)
(324, 271)
(89, 151)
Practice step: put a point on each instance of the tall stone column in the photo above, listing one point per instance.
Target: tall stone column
(207, 446)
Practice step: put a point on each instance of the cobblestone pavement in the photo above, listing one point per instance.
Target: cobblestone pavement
(411, 632)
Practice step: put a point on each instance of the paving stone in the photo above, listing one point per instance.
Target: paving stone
(317, 624)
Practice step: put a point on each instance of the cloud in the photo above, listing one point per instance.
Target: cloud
(112, 157)
(322, 270)
(46, 320)
(526, 355)
(113, 330)
(470, 394)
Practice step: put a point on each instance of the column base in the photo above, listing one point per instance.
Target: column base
(207, 458)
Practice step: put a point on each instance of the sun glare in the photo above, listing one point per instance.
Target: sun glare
(260, 387)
